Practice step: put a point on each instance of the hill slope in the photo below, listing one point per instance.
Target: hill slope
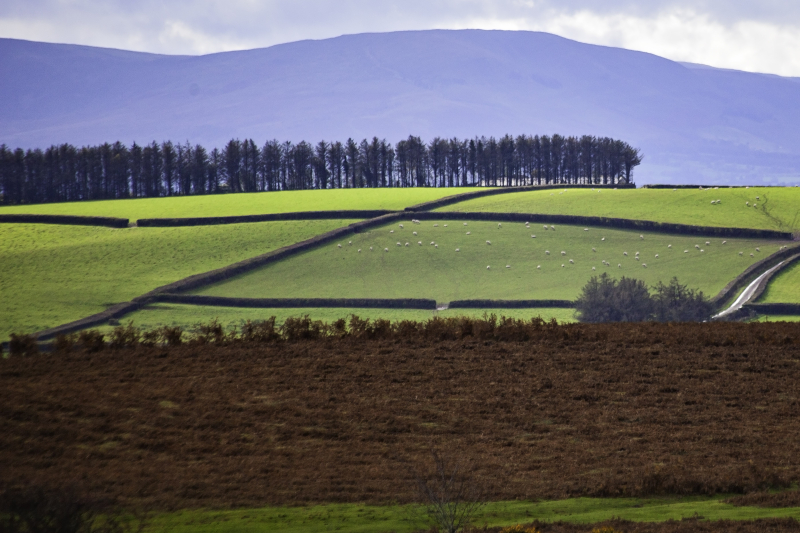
(694, 123)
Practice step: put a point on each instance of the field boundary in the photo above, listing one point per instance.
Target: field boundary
(751, 273)
(457, 198)
(371, 303)
(269, 217)
(762, 286)
(617, 223)
(774, 308)
(511, 304)
(67, 220)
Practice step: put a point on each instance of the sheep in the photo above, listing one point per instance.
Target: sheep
(406, 244)
(489, 242)
(593, 269)
(415, 233)
(707, 243)
(644, 265)
(637, 258)
(553, 228)
(724, 242)
(398, 244)
(419, 242)
(740, 253)
(385, 249)
(547, 252)
(465, 223)
(545, 227)
(508, 266)
(593, 249)
(751, 255)
(350, 243)
(625, 253)
(585, 229)
(619, 265)
(370, 248)
(401, 226)
(432, 243)
(435, 245)
(339, 245)
(758, 249)
(458, 250)
(637, 253)
(359, 250)
(669, 246)
(697, 246)
(445, 225)
(538, 267)
(747, 204)
(702, 250)
(533, 236)
(436, 225)
(712, 202)
(571, 262)
(499, 225)
(754, 205)
(603, 239)
(686, 251)
(758, 198)
(391, 231)
(719, 202)
(641, 237)
(562, 265)
(468, 233)
(656, 256)
(487, 267)
(563, 252)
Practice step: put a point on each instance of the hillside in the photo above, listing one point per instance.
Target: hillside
(693, 123)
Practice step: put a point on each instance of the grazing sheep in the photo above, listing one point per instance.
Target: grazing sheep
(398, 244)
(747, 204)
(465, 223)
(619, 265)
(370, 248)
(487, 267)
(401, 225)
(585, 229)
(641, 236)
(436, 225)
(359, 250)
(669, 246)
(533, 236)
(499, 225)
(391, 231)
(625, 253)
(758, 198)
(724, 242)
(697, 246)
(637, 258)
(758, 249)
(545, 227)
(712, 202)
(740, 253)
(538, 267)
(406, 244)
(350, 243)
(644, 265)
(385, 249)
(508, 266)
(563, 252)
(603, 239)
(656, 256)
(419, 242)
(339, 245)
(686, 251)
(637, 253)
(562, 265)
(547, 252)
(751, 255)
(435, 245)
(432, 243)
(719, 201)
(702, 250)
(571, 262)
(593, 268)
(469, 232)
(489, 242)
(707, 243)
(754, 205)
(593, 249)
(553, 228)
(445, 225)
(458, 250)
(415, 233)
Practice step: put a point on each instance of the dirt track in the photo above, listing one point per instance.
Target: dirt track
(579, 410)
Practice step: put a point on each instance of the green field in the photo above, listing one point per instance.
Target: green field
(51, 274)
(188, 316)
(777, 208)
(424, 271)
(218, 205)
(784, 287)
(379, 519)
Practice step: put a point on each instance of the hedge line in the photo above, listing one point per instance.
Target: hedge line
(301, 215)
(372, 303)
(752, 272)
(115, 311)
(457, 198)
(510, 304)
(70, 220)
(762, 286)
(774, 309)
(619, 223)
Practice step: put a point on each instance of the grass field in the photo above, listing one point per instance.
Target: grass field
(52, 274)
(784, 287)
(424, 271)
(243, 203)
(379, 519)
(188, 316)
(777, 208)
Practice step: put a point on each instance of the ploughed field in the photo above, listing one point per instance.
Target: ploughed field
(771, 208)
(448, 260)
(219, 205)
(623, 409)
(52, 274)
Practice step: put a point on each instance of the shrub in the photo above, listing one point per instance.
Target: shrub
(92, 340)
(520, 529)
(170, 335)
(22, 345)
(677, 303)
(260, 331)
(65, 342)
(125, 336)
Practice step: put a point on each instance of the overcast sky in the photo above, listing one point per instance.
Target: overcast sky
(756, 35)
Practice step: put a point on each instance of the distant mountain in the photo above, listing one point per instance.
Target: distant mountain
(694, 124)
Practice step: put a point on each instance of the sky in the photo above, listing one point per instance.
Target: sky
(751, 35)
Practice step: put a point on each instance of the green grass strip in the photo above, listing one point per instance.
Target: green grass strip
(379, 519)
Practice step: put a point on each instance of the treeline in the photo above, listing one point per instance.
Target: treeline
(65, 173)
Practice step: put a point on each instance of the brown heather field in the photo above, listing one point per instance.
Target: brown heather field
(540, 411)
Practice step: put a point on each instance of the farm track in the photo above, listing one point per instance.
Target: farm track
(604, 410)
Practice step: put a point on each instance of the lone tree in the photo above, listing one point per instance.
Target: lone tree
(604, 299)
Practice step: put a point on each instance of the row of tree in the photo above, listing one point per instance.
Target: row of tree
(66, 173)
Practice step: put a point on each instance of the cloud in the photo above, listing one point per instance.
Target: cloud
(741, 34)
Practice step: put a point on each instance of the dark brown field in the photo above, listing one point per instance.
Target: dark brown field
(574, 410)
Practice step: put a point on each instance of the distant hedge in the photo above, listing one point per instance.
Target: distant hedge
(302, 215)
(510, 304)
(619, 223)
(774, 308)
(71, 220)
(371, 303)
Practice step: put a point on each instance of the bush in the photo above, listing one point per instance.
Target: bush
(22, 345)
(65, 342)
(125, 336)
(604, 299)
(92, 340)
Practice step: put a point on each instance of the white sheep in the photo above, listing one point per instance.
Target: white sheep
(547, 252)
(669, 246)
(419, 242)
(401, 226)
(702, 250)
(350, 243)
(432, 243)
(625, 254)
(747, 204)
(538, 267)
(758, 249)
(465, 223)
(751, 255)
(489, 242)
(385, 249)
(585, 229)
(740, 253)
(415, 233)
(637, 257)
(641, 236)
(593, 268)
(603, 239)
(458, 250)
(487, 267)
(436, 225)
(553, 228)
(656, 256)
(754, 205)
(445, 225)
(686, 251)
(370, 248)
(707, 243)
(359, 250)
(398, 244)
(644, 265)
(697, 246)
(508, 266)
(339, 245)
(469, 233)
(545, 227)
(406, 244)
(562, 265)
(571, 262)
(724, 242)
(593, 249)
(758, 198)
(563, 252)
(499, 225)
(391, 231)
(619, 265)
(435, 245)
(533, 236)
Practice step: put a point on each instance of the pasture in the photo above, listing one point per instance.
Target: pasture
(392, 269)
(51, 274)
(770, 208)
(784, 287)
(188, 316)
(218, 205)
